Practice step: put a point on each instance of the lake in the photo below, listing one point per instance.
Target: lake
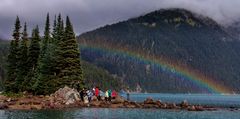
(107, 113)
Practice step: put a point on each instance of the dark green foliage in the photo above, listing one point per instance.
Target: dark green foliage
(93, 75)
(177, 35)
(54, 32)
(33, 57)
(96, 76)
(34, 50)
(4, 45)
(13, 59)
(47, 38)
(59, 65)
(45, 79)
(70, 71)
(23, 59)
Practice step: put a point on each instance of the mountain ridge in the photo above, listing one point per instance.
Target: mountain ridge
(176, 34)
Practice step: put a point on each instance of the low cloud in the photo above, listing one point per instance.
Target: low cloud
(90, 14)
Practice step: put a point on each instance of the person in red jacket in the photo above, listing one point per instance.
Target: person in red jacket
(97, 93)
(114, 94)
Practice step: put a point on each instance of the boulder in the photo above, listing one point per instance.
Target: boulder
(94, 98)
(184, 104)
(95, 103)
(149, 101)
(118, 100)
(66, 95)
(192, 108)
(3, 106)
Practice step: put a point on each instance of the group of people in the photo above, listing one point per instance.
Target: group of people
(87, 95)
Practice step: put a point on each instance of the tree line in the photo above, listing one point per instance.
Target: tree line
(41, 65)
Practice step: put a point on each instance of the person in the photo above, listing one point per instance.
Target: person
(110, 95)
(93, 90)
(106, 95)
(97, 93)
(114, 94)
(89, 94)
(128, 95)
(101, 94)
(85, 99)
(82, 94)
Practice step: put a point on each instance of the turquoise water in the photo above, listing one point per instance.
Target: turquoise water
(122, 113)
(94, 113)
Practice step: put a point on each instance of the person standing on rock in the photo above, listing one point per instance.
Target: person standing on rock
(106, 95)
(97, 93)
(89, 94)
(82, 94)
(114, 94)
(101, 94)
(110, 95)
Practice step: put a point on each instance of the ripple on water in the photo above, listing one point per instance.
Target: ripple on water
(104, 113)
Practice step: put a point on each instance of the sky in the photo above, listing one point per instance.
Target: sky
(88, 15)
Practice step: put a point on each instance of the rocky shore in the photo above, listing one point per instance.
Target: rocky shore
(69, 98)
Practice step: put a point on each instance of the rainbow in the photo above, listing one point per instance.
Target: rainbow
(173, 67)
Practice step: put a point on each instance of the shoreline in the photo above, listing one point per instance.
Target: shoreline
(48, 102)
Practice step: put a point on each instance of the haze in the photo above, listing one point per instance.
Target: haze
(87, 15)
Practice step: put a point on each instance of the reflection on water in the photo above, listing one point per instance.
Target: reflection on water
(100, 113)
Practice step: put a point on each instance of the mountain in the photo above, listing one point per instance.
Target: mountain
(138, 49)
(234, 29)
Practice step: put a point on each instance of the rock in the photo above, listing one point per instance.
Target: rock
(136, 104)
(199, 108)
(3, 98)
(192, 108)
(95, 103)
(9, 99)
(118, 100)
(195, 108)
(149, 101)
(94, 98)
(119, 105)
(3, 106)
(104, 104)
(66, 95)
(164, 106)
(184, 104)
(149, 106)
(172, 106)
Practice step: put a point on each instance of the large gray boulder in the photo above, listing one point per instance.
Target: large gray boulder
(67, 95)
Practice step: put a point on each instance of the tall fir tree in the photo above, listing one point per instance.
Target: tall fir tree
(54, 32)
(58, 38)
(33, 57)
(10, 85)
(71, 72)
(23, 58)
(47, 38)
(44, 82)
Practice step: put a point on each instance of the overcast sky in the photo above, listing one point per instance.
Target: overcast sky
(90, 14)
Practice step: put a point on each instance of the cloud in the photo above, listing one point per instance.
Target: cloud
(89, 14)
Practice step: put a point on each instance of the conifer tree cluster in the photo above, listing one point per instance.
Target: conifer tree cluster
(41, 65)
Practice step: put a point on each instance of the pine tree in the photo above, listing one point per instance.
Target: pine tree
(46, 66)
(23, 57)
(71, 72)
(13, 58)
(54, 32)
(47, 36)
(33, 56)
